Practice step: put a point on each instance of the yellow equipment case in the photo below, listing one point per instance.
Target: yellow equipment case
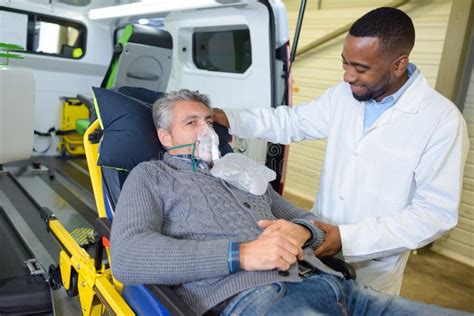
(74, 121)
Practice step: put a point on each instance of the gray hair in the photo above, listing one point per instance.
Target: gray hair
(163, 106)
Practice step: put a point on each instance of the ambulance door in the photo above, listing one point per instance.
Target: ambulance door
(230, 53)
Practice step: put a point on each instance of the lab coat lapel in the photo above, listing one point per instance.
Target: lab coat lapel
(358, 122)
(408, 102)
(384, 119)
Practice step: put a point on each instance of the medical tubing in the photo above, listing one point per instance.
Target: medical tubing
(193, 159)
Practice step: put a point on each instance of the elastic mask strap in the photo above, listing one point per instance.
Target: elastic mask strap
(182, 146)
(193, 157)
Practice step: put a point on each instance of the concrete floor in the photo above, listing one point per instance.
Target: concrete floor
(435, 279)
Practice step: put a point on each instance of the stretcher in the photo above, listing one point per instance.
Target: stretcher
(88, 274)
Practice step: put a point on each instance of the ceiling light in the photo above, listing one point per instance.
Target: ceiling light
(148, 7)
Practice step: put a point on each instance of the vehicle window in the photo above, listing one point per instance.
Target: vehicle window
(44, 34)
(54, 38)
(222, 51)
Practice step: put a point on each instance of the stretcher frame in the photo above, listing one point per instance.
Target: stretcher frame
(80, 274)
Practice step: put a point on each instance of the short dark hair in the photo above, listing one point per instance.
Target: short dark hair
(392, 26)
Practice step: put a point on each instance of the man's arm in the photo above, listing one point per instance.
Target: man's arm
(274, 249)
(283, 124)
(293, 222)
(434, 207)
(142, 254)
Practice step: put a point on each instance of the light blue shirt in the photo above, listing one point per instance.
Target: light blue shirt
(373, 109)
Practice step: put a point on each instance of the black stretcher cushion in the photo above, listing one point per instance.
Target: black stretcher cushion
(129, 133)
(142, 94)
(25, 294)
(20, 292)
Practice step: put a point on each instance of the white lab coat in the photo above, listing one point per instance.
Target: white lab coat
(392, 189)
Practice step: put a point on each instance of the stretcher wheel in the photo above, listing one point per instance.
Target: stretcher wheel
(54, 277)
(73, 290)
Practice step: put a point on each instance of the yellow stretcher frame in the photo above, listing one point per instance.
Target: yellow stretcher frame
(97, 289)
(97, 293)
(92, 155)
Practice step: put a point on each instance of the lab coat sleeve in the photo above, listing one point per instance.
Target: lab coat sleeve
(433, 209)
(283, 124)
(283, 209)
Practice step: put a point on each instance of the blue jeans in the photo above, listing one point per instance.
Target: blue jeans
(323, 294)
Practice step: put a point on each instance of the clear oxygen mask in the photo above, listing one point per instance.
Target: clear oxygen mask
(207, 145)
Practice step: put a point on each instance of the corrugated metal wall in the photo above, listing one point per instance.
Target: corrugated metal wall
(321, 68)
(459, 243)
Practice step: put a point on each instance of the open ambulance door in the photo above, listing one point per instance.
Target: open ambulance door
(238, 55)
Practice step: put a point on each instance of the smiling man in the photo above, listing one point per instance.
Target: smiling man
(395, 155)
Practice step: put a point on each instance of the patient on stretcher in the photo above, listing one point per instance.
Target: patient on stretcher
(214, 230)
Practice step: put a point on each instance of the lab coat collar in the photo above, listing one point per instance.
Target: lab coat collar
(410, 100)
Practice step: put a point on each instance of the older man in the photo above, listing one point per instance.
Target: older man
(221, 248)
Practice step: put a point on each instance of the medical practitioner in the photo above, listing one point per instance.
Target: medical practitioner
(396, 149)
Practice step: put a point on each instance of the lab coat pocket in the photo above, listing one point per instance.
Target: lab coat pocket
(393, 179)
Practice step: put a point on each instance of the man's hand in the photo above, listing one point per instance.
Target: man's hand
(332, 244)
(296, 232)
(272, 250)
(219, 116)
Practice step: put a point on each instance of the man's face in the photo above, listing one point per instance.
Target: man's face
(366, 69)
(188, 119)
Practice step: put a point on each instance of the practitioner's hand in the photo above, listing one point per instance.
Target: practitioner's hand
(219, 116)
(332, 244)
(298, 233)
(272, 250)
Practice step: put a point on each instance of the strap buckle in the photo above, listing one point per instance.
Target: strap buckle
(304, 269)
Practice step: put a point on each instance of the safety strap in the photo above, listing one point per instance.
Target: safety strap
(96, 135)
(49, 133)
(56, 132)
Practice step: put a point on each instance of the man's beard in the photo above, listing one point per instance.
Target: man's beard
(374, 91)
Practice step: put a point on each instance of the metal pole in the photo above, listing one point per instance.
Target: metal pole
(299, 24)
